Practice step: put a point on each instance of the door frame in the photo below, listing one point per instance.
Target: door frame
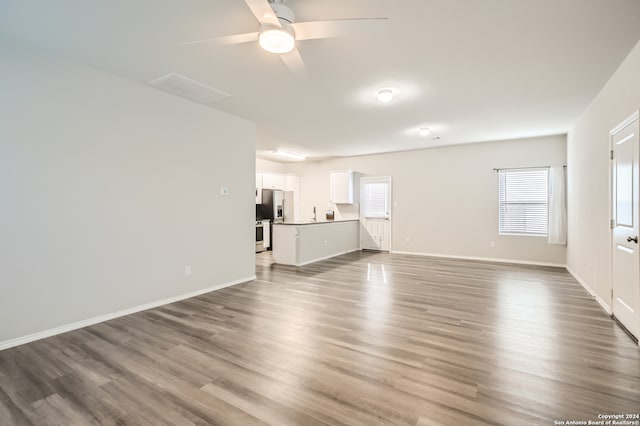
(627, 121)
(373, 179)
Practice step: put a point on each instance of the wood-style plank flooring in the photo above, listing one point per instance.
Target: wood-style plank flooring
(364, 338)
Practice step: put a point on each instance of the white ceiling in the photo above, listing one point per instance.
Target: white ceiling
(471, 70)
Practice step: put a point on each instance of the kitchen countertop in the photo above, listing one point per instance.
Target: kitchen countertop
(311, 222)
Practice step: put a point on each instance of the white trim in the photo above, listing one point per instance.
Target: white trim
(633, 117)
(483, 259)
(102, 318)
(591, 292)
(602, 304)
(326, 257)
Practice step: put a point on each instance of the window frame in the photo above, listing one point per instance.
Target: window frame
(500, 203)
(387, 200)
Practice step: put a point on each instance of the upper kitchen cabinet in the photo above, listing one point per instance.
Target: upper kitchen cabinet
(272, 181)
(341, 187)
(265, 180)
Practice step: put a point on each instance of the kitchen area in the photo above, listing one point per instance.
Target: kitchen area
(298, 240)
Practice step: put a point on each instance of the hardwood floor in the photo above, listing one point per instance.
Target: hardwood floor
(364, 338)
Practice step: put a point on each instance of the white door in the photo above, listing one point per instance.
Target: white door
(625, 253)
(375, 213)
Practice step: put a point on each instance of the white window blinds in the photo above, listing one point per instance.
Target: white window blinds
(375, 200)
(524, 205)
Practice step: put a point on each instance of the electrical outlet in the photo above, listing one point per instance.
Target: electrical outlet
(492, 244)
(187, 270)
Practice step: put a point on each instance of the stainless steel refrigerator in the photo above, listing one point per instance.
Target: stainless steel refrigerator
(277, 205)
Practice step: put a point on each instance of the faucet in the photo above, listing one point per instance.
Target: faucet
(315, 219)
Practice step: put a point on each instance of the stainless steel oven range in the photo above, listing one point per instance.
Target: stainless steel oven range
(259, 236)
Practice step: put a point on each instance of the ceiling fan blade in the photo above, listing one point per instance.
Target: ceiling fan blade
(263, 12)
(230, 39)
(334, 28)
(294, 62)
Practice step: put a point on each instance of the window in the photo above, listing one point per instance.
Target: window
(375, 200)
(524, 202)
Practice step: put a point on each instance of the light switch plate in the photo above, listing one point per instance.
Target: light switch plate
(224, 191)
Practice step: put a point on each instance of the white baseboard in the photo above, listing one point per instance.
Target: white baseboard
(482, 259)
(102, 318)
(603, 304)
(591, 291)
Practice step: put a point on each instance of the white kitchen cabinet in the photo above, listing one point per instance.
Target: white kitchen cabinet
(341, 187)
(272, 181)
(258, 188)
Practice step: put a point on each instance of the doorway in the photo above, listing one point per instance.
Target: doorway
(625, 256)
(375, 213)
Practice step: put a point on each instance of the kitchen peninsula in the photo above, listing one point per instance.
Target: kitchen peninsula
(301, 243)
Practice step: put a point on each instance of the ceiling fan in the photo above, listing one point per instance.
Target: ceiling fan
(279, 32)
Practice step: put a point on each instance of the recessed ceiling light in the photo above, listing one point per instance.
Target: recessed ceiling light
(276, 40)
(385, 95)
(289, 155)
(424, 131)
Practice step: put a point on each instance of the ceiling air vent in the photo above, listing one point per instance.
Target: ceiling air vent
(189, 89)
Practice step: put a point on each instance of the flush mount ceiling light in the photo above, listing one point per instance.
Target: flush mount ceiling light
(289, 155)
(277, 40)
(385, 95)
(424, 131)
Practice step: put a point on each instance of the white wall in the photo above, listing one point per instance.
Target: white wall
(447, 197)
(589, 237)
(263, 165)
(108, 189)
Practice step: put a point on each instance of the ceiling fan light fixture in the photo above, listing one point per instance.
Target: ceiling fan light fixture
(277, 40)
(385, 95)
